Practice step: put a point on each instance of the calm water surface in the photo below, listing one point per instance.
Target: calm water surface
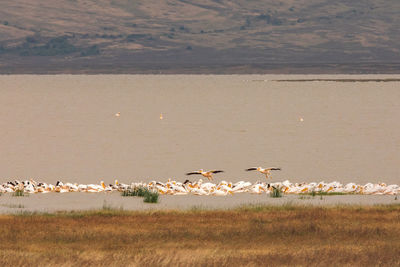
(64, 127)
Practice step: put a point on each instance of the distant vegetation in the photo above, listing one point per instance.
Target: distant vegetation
(90, 51)
(41, 46)
(53, 47)
(137, 36)
(270, 19)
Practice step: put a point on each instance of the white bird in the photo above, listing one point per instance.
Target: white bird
(265, 171)
(223, 188)
(207, 174)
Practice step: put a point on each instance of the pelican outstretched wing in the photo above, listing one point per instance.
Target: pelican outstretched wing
(251, 169)
(216, 171)
(190, 173)
(274, 169)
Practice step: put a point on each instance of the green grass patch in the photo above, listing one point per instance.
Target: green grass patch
(149, 196)
(135, 192)
(276, 192)
(19, 193)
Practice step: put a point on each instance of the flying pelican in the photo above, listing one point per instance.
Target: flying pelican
(265, 171)
(207, 174)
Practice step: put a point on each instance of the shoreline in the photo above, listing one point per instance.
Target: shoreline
(110, 210)
(52, 202)
(30, 66)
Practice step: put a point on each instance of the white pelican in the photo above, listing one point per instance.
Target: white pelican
(172, 187)
(207, 174)
(265, 171)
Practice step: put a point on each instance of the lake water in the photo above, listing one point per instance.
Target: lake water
(64, 127)
(94, 201)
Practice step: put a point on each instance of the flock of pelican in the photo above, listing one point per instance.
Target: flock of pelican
(200, 187)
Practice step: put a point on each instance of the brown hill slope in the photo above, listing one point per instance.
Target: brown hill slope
(43, 36)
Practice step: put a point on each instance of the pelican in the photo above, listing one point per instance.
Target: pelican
(265, 171)
(172, 187)
(207, 174)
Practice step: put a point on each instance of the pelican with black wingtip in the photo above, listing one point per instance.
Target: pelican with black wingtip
(207, 174)
(265, 171)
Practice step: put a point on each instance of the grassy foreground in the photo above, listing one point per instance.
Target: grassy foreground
(254, 235)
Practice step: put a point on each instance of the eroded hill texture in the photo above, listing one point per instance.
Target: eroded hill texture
(199, 36)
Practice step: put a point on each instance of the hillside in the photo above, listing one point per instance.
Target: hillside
(199, 36)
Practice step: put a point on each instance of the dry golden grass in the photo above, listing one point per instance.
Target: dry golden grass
(248, 236)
